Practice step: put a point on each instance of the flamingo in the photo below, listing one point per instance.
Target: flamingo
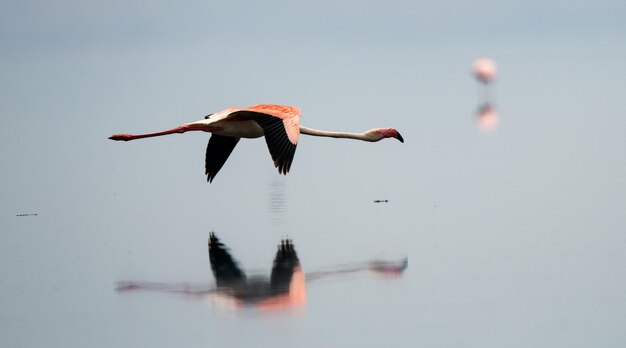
(280, 124)
(484, 70)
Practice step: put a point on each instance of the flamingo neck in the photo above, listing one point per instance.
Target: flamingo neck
(322, 133)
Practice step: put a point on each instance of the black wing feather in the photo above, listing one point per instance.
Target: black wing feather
(278, 143)
(217, 152)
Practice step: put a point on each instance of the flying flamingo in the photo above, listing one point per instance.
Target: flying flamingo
(279, 124)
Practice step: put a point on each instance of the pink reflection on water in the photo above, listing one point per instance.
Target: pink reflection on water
(487, 118)
(285, 288)
(295, 296)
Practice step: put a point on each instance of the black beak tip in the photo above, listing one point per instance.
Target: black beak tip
(400, 138)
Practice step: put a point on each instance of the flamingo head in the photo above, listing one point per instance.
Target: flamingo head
(382, 133)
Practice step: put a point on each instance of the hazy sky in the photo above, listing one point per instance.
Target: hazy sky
(514, 238)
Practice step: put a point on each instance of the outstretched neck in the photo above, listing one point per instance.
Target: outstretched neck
(345, 135)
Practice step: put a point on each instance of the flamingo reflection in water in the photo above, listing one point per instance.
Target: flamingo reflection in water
(285, 288)
(487, 117)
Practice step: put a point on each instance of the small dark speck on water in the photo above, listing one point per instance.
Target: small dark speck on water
(381, 201)
(26, 215)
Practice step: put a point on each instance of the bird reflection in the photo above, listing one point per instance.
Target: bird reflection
(388, 268)
(380, 267)
(285, 287)
(487, 117)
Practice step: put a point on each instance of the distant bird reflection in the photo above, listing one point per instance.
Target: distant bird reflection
(487, 118)
(285, 287)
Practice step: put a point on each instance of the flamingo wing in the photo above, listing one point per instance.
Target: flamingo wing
(217, 152)
(280, 146)
(224, 267)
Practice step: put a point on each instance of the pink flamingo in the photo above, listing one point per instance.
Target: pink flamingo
(279, 124)
(484, 70)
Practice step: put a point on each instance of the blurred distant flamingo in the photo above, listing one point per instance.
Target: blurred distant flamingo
(484, 70)
(279, 124)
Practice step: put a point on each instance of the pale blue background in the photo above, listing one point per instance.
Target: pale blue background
(514, 238)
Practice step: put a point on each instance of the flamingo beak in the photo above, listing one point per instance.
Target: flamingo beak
(399, 137)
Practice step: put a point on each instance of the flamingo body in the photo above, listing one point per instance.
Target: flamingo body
(484, 70)
(244, 122)
(279, 124)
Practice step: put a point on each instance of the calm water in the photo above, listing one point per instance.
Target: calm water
(475, 292)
